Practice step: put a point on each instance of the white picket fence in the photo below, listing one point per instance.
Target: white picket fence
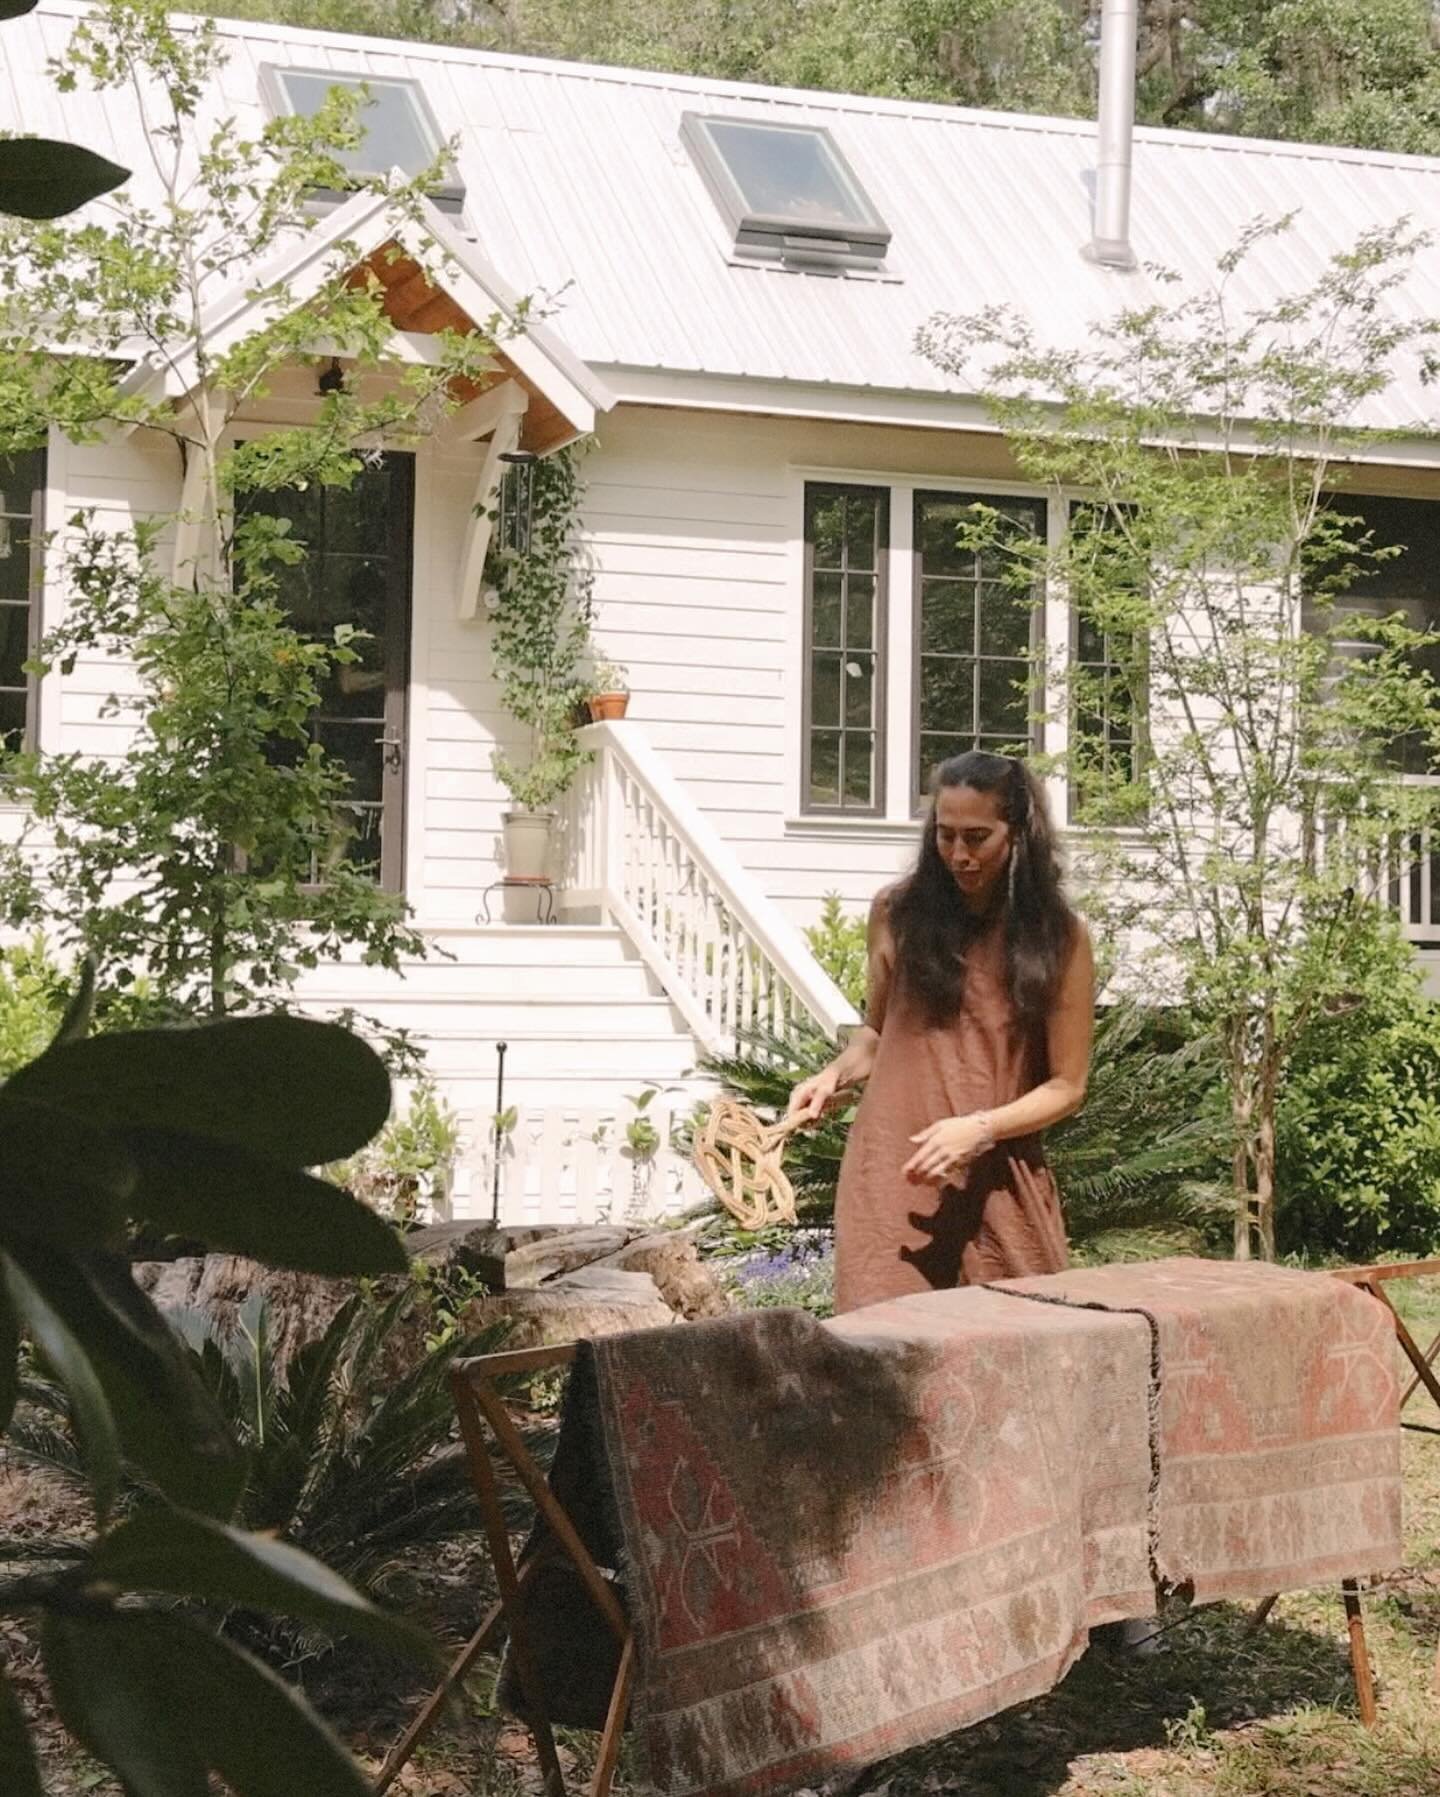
(574, 1165)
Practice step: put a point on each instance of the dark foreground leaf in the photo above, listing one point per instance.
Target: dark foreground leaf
(195, 1703)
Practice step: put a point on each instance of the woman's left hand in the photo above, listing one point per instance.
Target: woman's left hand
(945, 1148)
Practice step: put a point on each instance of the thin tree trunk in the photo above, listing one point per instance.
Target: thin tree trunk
(1265, 1166)
(1241, 1181)
(219, 946)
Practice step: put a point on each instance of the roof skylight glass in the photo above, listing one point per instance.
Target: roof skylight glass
(786, 191)
(399, 129)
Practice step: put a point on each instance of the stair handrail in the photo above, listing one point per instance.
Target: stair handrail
(592, 847)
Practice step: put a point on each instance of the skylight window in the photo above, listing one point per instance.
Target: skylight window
(399, 128)
(786, 192)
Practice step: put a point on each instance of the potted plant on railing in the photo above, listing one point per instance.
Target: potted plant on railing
(609, 693)
(539, 602)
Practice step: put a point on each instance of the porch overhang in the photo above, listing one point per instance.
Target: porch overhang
(434, 280)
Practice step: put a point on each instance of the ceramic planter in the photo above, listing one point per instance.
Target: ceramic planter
(527, 843)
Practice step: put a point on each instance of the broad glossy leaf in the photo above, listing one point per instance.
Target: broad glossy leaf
(19, 1772)
(69, 1352)
(61, 1180)
(75, 1024)
(106, 1689)
(238, 1718)
(245, 1205)
(192, 1556)
(40, 178)
(168, 1423)
(283, 1088)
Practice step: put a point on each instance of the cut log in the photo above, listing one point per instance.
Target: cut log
(672, 1259)
(577, 1305)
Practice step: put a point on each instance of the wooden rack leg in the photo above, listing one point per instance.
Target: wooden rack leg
(614, 1723)
(1423, 1370)
(1359, 1653)
(399, 1755)
(1261, 1613)
(482, 1472)
(1414, 1385)
(478, 1402)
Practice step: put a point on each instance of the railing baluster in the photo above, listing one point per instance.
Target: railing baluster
(721, 948)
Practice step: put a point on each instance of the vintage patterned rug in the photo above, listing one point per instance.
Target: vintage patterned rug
(836, 1541)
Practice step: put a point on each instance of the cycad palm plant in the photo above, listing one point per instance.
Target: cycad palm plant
(1140, 1160)
(348, 1461)
(1143, 1159)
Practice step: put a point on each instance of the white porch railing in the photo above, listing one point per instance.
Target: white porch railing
(571, 1164)
(637, 849)
(1402, 872)
(1406, 877)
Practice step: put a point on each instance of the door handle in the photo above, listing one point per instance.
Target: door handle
(394, 755)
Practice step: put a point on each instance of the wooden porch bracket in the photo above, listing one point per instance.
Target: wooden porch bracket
(507, 405)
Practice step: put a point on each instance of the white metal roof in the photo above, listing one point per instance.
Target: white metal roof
(576, 179)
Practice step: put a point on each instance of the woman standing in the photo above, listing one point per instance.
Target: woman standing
(976, 1039)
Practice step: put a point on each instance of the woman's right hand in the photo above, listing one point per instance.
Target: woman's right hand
(812, 1097)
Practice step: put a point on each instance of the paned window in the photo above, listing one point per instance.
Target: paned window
(846, 535)
(975, 632)
(22, 503)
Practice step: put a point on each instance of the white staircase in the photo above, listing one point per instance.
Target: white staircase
(667, 949)
(587, 1031)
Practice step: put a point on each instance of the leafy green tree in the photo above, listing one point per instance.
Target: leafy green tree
(1212, 556)
(217, 853)
(209, 1130)
(1358, 1124)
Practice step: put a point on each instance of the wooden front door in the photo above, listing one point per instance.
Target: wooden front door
(359, 544)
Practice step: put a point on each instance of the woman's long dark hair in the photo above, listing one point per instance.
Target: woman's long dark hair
(933, 928)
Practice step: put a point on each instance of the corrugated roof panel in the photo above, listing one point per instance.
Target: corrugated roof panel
(575, 178)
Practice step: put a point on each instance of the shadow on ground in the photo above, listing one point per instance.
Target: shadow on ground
(1213, 1674)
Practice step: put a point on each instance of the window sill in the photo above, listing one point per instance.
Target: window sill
(897, 829)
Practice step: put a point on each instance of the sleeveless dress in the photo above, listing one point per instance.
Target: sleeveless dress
(1003, 1220)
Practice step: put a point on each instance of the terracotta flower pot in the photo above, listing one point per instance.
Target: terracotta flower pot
(605, 706)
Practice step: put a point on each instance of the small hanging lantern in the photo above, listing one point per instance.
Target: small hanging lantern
(515, 509)
(331, 379)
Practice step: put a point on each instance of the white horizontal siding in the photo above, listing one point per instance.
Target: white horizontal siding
(701, 608)
(690, 528)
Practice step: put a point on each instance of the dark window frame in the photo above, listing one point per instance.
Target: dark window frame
(1140, 742)
(919, 773)
(877, 807)
(399, 629)
(35, 545)
(1385, 587)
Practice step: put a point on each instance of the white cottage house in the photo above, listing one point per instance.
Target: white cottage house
(742, 271)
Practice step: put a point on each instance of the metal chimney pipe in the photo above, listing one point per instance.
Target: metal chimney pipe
(1119, 32)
